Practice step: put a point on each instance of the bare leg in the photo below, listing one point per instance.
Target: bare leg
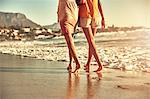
(70, 43)
(71, 46)
(69, 68)
(92, 46)
(94, 30)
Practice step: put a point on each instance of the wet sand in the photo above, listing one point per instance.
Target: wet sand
(26, 78)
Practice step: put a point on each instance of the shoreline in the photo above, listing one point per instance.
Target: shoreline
(123, 58)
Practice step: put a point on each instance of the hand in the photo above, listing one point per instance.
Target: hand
(103, 24)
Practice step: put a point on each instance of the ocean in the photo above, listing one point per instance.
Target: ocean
(130, 38)
(118, 50)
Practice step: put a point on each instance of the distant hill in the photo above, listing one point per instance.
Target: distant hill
(53, 27)
(15, 20)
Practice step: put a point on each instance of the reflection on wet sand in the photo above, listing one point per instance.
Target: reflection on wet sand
(91, 87)
(72, 87)
(69, 87)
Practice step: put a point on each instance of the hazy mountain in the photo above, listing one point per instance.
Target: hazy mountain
(53, 27)
(16, 20)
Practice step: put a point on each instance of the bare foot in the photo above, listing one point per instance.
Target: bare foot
(69, 68)
(86, 68)
(99, 74)
(99, 69)
(77, 68)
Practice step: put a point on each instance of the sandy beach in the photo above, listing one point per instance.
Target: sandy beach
(40, 60)
(39, 79)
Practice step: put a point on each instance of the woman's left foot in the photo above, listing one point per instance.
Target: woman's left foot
(77, 68)
(86, 68)
(69, 68)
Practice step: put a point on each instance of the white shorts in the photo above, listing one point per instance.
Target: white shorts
(89, 22)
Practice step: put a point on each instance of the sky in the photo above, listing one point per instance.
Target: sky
(117, 12)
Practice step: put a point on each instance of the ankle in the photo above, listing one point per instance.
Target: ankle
(87, 64)
(69, 65)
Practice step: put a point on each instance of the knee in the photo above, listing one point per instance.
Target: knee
(68, 34)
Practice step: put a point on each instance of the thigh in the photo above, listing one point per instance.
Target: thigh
(67, 26)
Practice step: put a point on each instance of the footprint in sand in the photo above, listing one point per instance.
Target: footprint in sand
(133, 87)
(126, 77)
(96, 78)
(123, 86)
(147, 83)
